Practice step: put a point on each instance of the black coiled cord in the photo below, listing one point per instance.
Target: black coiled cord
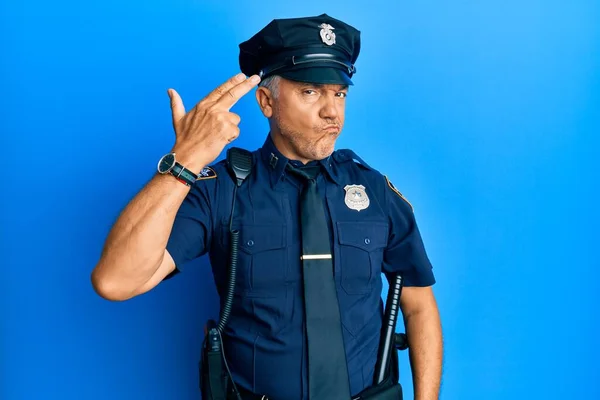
(235, 239)
(226, 309)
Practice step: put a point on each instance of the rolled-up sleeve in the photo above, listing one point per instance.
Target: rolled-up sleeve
(405, 253)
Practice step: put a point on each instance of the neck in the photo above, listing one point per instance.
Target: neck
(285, 147)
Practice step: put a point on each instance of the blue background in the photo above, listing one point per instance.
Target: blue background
(484, 114)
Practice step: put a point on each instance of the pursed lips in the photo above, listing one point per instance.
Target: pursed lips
(331, 128)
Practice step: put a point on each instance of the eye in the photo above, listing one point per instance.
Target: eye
(343, 95)
(309, 91)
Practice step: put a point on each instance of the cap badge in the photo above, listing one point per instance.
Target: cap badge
(356, 197)
(327, 35)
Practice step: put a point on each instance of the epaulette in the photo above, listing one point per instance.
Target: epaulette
(344, 155)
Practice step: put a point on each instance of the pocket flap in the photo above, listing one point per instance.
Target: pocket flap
(258, 238)
(364, 235)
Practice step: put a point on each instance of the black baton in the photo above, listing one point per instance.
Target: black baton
(387, 343)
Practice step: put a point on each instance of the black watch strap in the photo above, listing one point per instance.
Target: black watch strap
(183, 174)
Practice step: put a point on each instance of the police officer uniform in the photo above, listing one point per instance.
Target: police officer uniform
(372, 229)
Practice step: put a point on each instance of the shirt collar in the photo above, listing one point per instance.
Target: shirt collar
(276, 162)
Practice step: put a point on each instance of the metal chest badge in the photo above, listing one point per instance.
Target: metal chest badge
(327, 35)
(356, 197)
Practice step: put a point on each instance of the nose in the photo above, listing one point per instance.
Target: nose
(330, 107)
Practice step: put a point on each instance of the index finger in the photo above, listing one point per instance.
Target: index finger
(224, 87)
(229, 98)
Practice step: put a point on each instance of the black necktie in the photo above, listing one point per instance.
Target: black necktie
(327, 368)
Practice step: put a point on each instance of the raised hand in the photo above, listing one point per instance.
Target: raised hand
(202, 133)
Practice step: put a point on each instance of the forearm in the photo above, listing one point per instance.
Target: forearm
(135, 246)
(424, 335)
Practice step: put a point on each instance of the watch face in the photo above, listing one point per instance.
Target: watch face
(166, 163)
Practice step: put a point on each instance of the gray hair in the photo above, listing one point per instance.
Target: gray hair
(271, 83)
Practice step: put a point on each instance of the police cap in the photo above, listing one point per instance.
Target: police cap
(317, 49)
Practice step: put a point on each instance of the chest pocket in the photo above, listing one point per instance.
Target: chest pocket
(263, 302)
(361, 246)
(262, 260)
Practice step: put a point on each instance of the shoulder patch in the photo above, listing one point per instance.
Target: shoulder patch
(391, 186)
(207, 173)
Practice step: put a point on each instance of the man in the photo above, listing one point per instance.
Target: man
(368, 227)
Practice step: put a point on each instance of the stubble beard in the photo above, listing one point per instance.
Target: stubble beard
(312, 150)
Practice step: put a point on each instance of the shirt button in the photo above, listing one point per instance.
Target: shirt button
(367, 241)
(250, 243)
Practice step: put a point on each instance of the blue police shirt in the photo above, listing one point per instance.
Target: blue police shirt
(265, 341)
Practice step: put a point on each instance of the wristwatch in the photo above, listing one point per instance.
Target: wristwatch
(169, 165)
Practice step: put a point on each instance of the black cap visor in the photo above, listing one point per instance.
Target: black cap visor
(320, 75)
(325, 68)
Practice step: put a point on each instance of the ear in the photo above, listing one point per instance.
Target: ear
(265, 101)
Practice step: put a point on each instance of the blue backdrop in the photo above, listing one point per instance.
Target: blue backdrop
(484, 114)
